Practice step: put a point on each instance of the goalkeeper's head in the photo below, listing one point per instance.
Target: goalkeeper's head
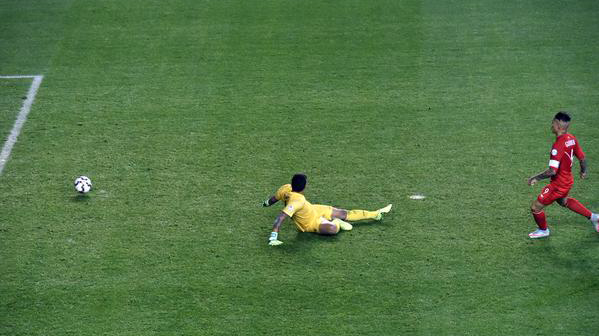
(298, 182)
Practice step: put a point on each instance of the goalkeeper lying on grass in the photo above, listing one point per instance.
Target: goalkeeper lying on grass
(322, 219)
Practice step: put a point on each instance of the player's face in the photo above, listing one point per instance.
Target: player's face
(559, 127)
(554, 126)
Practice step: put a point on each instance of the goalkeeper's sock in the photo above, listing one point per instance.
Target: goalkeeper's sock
(574, 205)
(356, 215)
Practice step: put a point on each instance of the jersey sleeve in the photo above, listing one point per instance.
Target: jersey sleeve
(283, 190)
(555, 157)
(293, 206)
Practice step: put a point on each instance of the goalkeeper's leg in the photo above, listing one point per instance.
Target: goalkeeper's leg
(327, 227)
(356, 215)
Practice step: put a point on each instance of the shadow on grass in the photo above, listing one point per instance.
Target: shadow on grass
(303, 242)
(573, 265)
(80, 198)
(570, 256)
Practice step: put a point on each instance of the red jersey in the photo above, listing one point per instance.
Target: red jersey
(561, 159)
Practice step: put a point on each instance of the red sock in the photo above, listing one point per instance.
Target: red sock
(577, 207)
(540, 219)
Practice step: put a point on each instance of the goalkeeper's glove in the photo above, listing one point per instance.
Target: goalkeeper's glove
(273, 241)
(266, 203)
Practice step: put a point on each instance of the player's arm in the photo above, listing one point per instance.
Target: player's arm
(273, 240)
(583, 168)
(582, 159)
(541, 176)
(554, 160)
(272, 200)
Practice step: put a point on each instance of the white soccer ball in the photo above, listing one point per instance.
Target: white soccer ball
(83, 184)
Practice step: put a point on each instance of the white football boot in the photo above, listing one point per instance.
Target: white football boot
(381, 211)
(343, 225)
(595, 221)
(539, 233)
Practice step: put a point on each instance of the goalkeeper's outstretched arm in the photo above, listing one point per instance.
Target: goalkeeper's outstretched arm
(270, 201)
(273, 240)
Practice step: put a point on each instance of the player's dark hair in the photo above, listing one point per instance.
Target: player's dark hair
(562, 116)
(298, 182)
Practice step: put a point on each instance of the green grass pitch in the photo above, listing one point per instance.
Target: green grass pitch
(187, 114)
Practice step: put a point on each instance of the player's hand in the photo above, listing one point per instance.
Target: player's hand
(532, 181)
(583, 175)
(275, 242)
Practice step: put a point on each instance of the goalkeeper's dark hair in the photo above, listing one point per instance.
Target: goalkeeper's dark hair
(562, 116)
(298, 182)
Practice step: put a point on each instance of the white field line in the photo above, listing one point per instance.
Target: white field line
(21, 118)
(20, 76)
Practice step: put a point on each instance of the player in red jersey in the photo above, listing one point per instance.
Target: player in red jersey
(565, 148)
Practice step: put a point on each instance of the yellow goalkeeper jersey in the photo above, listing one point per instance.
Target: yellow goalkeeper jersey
(302, 212)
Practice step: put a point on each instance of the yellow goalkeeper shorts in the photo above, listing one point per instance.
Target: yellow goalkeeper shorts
(312, 224)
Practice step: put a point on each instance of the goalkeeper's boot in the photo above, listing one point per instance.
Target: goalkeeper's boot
(539, 233)
(381, 211)
(595, 221)
(345, 226)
